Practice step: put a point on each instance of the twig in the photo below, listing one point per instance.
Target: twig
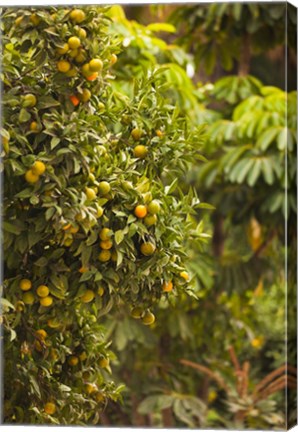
(207, 371)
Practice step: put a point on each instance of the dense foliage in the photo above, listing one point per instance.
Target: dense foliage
(144, 219)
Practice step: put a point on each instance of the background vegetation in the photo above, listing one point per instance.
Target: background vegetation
(152, 195)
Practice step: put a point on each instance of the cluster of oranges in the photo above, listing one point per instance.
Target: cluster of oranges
(42, 292)
(32, 175)
(74, 58)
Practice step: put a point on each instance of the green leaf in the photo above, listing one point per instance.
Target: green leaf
(24, 116)
(6, 303)
(161, 27)
(255, 172)
(267, 138)
(119, 236)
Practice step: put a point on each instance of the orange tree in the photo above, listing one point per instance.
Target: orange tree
(93, 216)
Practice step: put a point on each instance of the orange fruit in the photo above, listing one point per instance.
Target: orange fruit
(148, 248)
(28, 298)
(104, 188)
(106, 244)
(83, 356)
(63, 49)
(104, 362)
(85, 96)
(113, 59)
(99, 212)
(63, 66)
(88, 296)
(148, 318)
(136, 133)
(184, 275)
(136, 312)
(140, 151)
(159, 133)
(77, 15)
(167, 286)
(29, 100)
(33, 126)
(82, 33)
(38, 168)
(46, 301)
(74, 100)
(30, 177)
(154, 207)
(100, 291)
(150, 220)
(140, 211)
(42, 333)
(49, 408)
(91, 195)
(92, 77)
(25, 284)
(73, 361)
(43, 291)
(105, 234)
(104, 256)
(95, 65)
(74, 42)
(90, 388)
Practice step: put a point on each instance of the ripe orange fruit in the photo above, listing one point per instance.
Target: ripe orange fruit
(104, 188)
(29, 100)
(25, 284)
(106, 244)
(140, 151)
(43, 291)
(38, 168)
(46, 301)
(33, 126)
(95, 65)
(74, 100)
(148, 248)
(148, 318)
(74, 42)
(104, 256)
(113, 59)
(154, 207)
(63, 49)
(63, 66)
(74, 229)
(184, 275)
(42, 333)
(73, 361)
(30, 177)
(159, 133)
(136, 133)
(49, 408)
(77, 15)
(92, 77)
(136, 312)
(150, 220)
(28, 298)
(140, 211)
(167, 286)
(88, 296)
(18, 21)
